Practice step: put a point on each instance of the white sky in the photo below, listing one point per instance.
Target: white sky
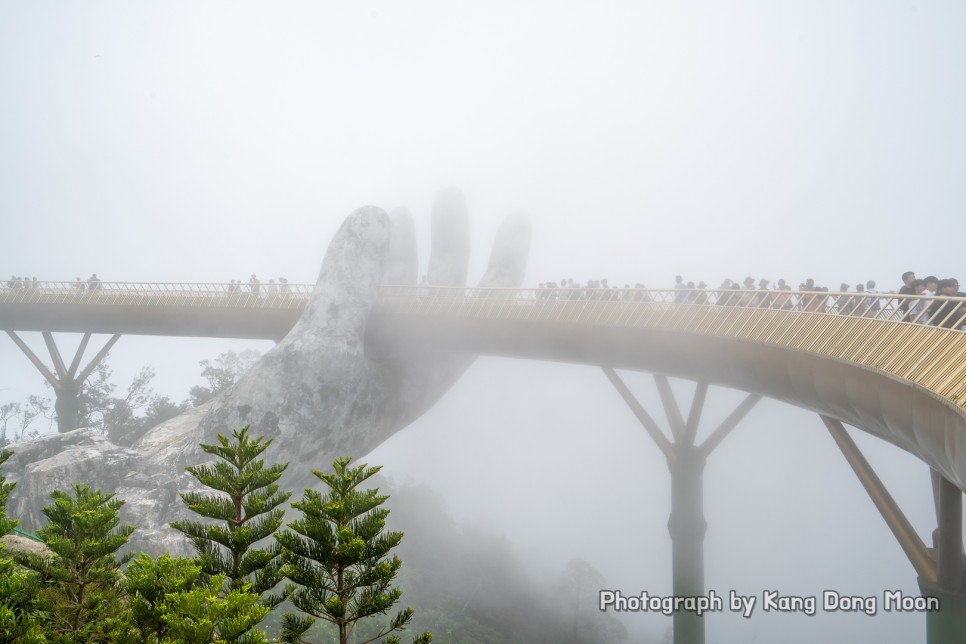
(183, 141)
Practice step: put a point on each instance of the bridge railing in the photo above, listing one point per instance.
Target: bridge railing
(948, 312)
(893, 337)
(564, 303)
(201, 294)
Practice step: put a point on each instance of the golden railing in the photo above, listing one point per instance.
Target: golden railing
(919, 339)
(881, 306)
(194, 294)
(846, 327)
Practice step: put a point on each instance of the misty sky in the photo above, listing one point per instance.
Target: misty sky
(186, 141)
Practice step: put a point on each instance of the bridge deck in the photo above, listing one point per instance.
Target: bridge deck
(847, 356)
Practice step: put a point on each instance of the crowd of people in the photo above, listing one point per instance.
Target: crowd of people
(255, 286)
(93, 283)
(21, 282)
(931, 308)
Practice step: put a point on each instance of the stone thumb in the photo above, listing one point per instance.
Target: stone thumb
(348, 283)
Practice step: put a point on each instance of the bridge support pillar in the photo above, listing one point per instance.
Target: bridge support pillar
(687, 527)
(67, 383)
(948, 624)
(685, 461)
(67, 407)
(941, 573)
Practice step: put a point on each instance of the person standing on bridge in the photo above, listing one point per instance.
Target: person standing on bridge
(945, 312)
(680, 290)
(93, 282)
(907, 288)
(916, 312)
(872, 304)
(844, 302)
(254, 285)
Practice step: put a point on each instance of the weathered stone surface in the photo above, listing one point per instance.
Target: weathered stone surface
(58, 461)
(19, 543)
(316, 394)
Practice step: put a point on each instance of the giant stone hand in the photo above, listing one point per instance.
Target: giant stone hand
(318, 393)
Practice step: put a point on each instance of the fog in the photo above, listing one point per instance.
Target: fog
(187, 142)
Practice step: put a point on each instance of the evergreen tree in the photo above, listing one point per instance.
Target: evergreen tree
(148, 584)
(248, 509)
(19, 619)
(210, 612)
(81, 592)
(338, 556)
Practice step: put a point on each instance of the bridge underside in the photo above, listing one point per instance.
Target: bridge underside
(200, 321)
(907, 416)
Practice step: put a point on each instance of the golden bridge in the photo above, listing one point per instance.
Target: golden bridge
(867, 360)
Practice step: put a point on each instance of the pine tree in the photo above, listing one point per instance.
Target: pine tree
(19, 618)
(148, 584)
(248, 509)
(81, 593)
(211, 613)
(338, 556)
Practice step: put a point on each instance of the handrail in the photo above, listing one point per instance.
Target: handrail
(198, 294)
(886, 332)
(949, 312)
(882, 340)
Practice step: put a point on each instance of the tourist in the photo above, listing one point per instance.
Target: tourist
(680, 290)
(944, 312)
(916, 311)
(872, 303)
(906, 289)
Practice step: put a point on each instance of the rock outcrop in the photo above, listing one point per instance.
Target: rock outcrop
(316, 394)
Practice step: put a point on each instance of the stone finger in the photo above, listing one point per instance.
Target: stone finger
(450, 257)
(511, 248)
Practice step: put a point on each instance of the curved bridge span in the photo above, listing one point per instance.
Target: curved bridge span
(866, 360)
(848, 357)
(902, 382)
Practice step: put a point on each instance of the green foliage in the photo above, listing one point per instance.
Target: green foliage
(19, 617)
(6, 525)
(148, 583)
(81, 592)
(20, 621)
(338, 556)
(123, 418)
(221, 374)
(247, 509)
(209, 613)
